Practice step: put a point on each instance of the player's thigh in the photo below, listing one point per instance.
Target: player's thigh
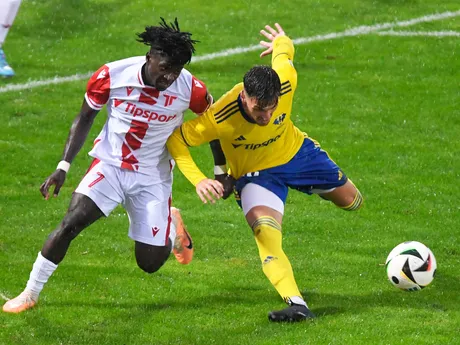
(258, 201)
(81, 213)
(341, 196)
(102, 185)
(149, 212)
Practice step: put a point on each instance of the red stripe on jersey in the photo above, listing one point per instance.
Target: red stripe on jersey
(139, 128)
(98, 87)
(125, 151)
(133, 142)
(149, 96)
(128, 155)
(198, 98)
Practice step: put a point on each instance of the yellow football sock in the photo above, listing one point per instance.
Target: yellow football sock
(275, 264)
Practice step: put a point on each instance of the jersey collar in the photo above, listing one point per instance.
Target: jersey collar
(140, 79)
(245, 115)
(139, 75)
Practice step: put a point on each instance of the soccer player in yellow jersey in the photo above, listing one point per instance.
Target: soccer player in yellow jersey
(266, 155)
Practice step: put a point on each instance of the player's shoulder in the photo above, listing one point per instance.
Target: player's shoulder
(191, 80)
(124, 67)
(110, 70)
(227, 105)
(185, 73)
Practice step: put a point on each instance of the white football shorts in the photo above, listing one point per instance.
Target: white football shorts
(254, 195)
(147, 202)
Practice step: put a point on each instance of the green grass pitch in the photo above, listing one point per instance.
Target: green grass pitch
(386, 108)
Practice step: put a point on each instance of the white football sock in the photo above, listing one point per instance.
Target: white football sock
(298, 300)
(41, 271)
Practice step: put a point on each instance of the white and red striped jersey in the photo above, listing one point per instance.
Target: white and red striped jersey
(140, 118)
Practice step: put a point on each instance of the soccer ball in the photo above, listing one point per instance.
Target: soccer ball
(411, 266)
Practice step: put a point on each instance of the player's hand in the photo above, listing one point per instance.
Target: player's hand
(209, 190)
(209, 99)
(270, 34)
(228, 182)
(57, 179)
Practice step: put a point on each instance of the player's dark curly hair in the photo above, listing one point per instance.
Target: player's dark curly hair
(263, 83)
(167, 39)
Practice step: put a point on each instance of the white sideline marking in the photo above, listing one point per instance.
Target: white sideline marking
(358, 30)
(420, 33)
(4, 297)
(364, 30)
(44, 82)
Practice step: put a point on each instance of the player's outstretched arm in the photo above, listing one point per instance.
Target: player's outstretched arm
(77, 136)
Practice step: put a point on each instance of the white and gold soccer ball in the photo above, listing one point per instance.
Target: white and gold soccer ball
(411, 266)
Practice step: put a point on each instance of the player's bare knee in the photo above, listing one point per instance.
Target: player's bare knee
(68, 229)
(347, 200)
(353, 202)
(150, 258)
(262, 211)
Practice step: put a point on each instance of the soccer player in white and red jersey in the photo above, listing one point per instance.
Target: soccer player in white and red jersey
(146, 97)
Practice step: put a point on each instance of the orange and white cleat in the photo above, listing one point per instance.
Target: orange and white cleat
(183, 245)
(23, 302)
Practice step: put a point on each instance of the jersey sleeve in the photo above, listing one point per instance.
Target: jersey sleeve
(192, 133)
(98, 88)
(200, 99)
(282, 61)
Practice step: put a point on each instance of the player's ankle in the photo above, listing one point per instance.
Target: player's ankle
(33, 295)
(296, 300)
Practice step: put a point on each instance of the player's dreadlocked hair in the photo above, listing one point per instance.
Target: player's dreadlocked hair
(263, 83)
(167, 39)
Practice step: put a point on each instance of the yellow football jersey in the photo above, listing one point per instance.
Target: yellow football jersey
(247, 146)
